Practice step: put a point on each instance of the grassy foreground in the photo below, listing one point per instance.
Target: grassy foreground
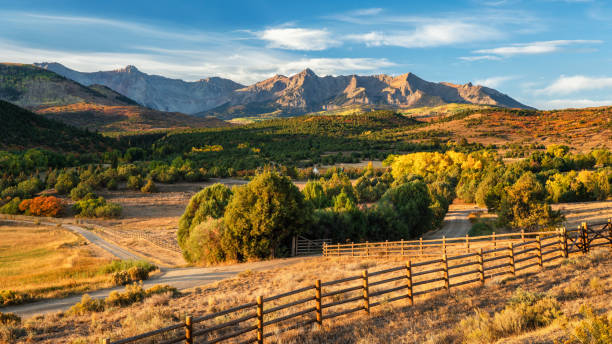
(435, 318)
(47, 262)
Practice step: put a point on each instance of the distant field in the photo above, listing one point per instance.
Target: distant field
(47, 262)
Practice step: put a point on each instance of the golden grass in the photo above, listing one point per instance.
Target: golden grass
(433, 319)
(48, 262)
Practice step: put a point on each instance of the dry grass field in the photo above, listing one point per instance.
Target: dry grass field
(48, 262)
(581, 129)
(434, 318)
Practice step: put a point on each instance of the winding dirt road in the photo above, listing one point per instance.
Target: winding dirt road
(456, 222)
(180, 278)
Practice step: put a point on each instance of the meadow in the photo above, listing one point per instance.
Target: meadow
(46, 262)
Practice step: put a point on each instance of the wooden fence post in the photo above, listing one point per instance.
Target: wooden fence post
(583, 237)
(409, 282)
(367, 250)
(352, 249)
(260, 322)
(402, 247)
(481, 266)
(467, 243)
(539, 253)
(445, 267)
(494, 241)
(366, 291)
(421, 246)
(444, 244)
(610, 230)
(318, 309)
(387, 248)
(512, 266)
(522, 235)
(294, 246)
(188, 330)
(324, 249)
(564, 242)
(106, 341)
(586, 237)
(338, 247)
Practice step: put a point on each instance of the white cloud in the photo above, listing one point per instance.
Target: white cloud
(245, 64)
(298, 38)
(573, 84)
(480, 57)
(573, 103)
(541, 47)
(431, 34)
(494, 81)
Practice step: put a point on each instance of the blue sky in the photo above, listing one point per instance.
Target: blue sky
(544, 53)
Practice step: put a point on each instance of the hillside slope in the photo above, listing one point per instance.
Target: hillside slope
(95, 107)
(154, 91)
(22, 129)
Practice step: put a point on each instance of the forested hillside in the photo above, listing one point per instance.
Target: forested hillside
(22, 129)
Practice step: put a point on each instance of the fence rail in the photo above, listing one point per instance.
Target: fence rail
(302, 246)
(268, 316)
(437, 247)
(115, 234)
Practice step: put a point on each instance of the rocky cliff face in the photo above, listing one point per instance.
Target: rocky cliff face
(306, 92)
(155, 91)
(284, 96)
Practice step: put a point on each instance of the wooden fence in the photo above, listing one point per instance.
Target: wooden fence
(115, 234)
(437, 247)
(302, 246)
(269, 316)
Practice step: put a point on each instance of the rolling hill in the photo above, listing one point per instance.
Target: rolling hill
(94, 107)
(22, 129)
(281, 96)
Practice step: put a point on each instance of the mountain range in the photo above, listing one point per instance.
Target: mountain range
(94, 107)
(281, 95)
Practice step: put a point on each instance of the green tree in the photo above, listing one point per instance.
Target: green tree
(524, 205)
(315, 194)
(263, 213)
(208, 203)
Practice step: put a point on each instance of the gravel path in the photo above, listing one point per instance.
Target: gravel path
(180, 278)
(456, 223)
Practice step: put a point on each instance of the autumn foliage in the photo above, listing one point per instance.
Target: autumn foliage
(48, 206)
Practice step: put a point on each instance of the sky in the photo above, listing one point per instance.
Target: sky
(548, 54)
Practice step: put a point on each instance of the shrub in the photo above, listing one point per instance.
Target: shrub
(65, 182)
(29, 188)
(524, 311)
(205, 243)
(11, 297)
(122, 265)
(9, 318)
(87, 305)
(12, 207)
(48, 206)
(593, 329)
(108, 210)
(97, 207)
(82, 190)
(480, 228)
(134, 182)
(120, 278)
(112, 184)
(149, 187)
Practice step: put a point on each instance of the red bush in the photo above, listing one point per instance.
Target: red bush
(48, 206)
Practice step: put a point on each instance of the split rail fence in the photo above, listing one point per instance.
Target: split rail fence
(323, 300)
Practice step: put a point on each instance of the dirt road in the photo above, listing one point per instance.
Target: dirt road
(181, 278)
(456, 222)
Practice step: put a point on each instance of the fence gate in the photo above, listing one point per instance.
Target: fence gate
(302, 246)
